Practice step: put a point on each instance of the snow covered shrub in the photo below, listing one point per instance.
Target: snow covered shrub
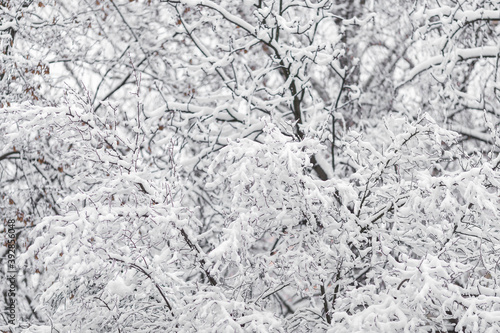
(254, 166)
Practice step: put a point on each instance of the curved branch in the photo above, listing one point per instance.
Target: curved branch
(460, 55)
(6, 155)
(143, 271)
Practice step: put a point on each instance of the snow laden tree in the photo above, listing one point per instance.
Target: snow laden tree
(254, 166)
(29, 184)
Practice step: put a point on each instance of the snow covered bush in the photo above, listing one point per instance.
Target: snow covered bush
(254, 166)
